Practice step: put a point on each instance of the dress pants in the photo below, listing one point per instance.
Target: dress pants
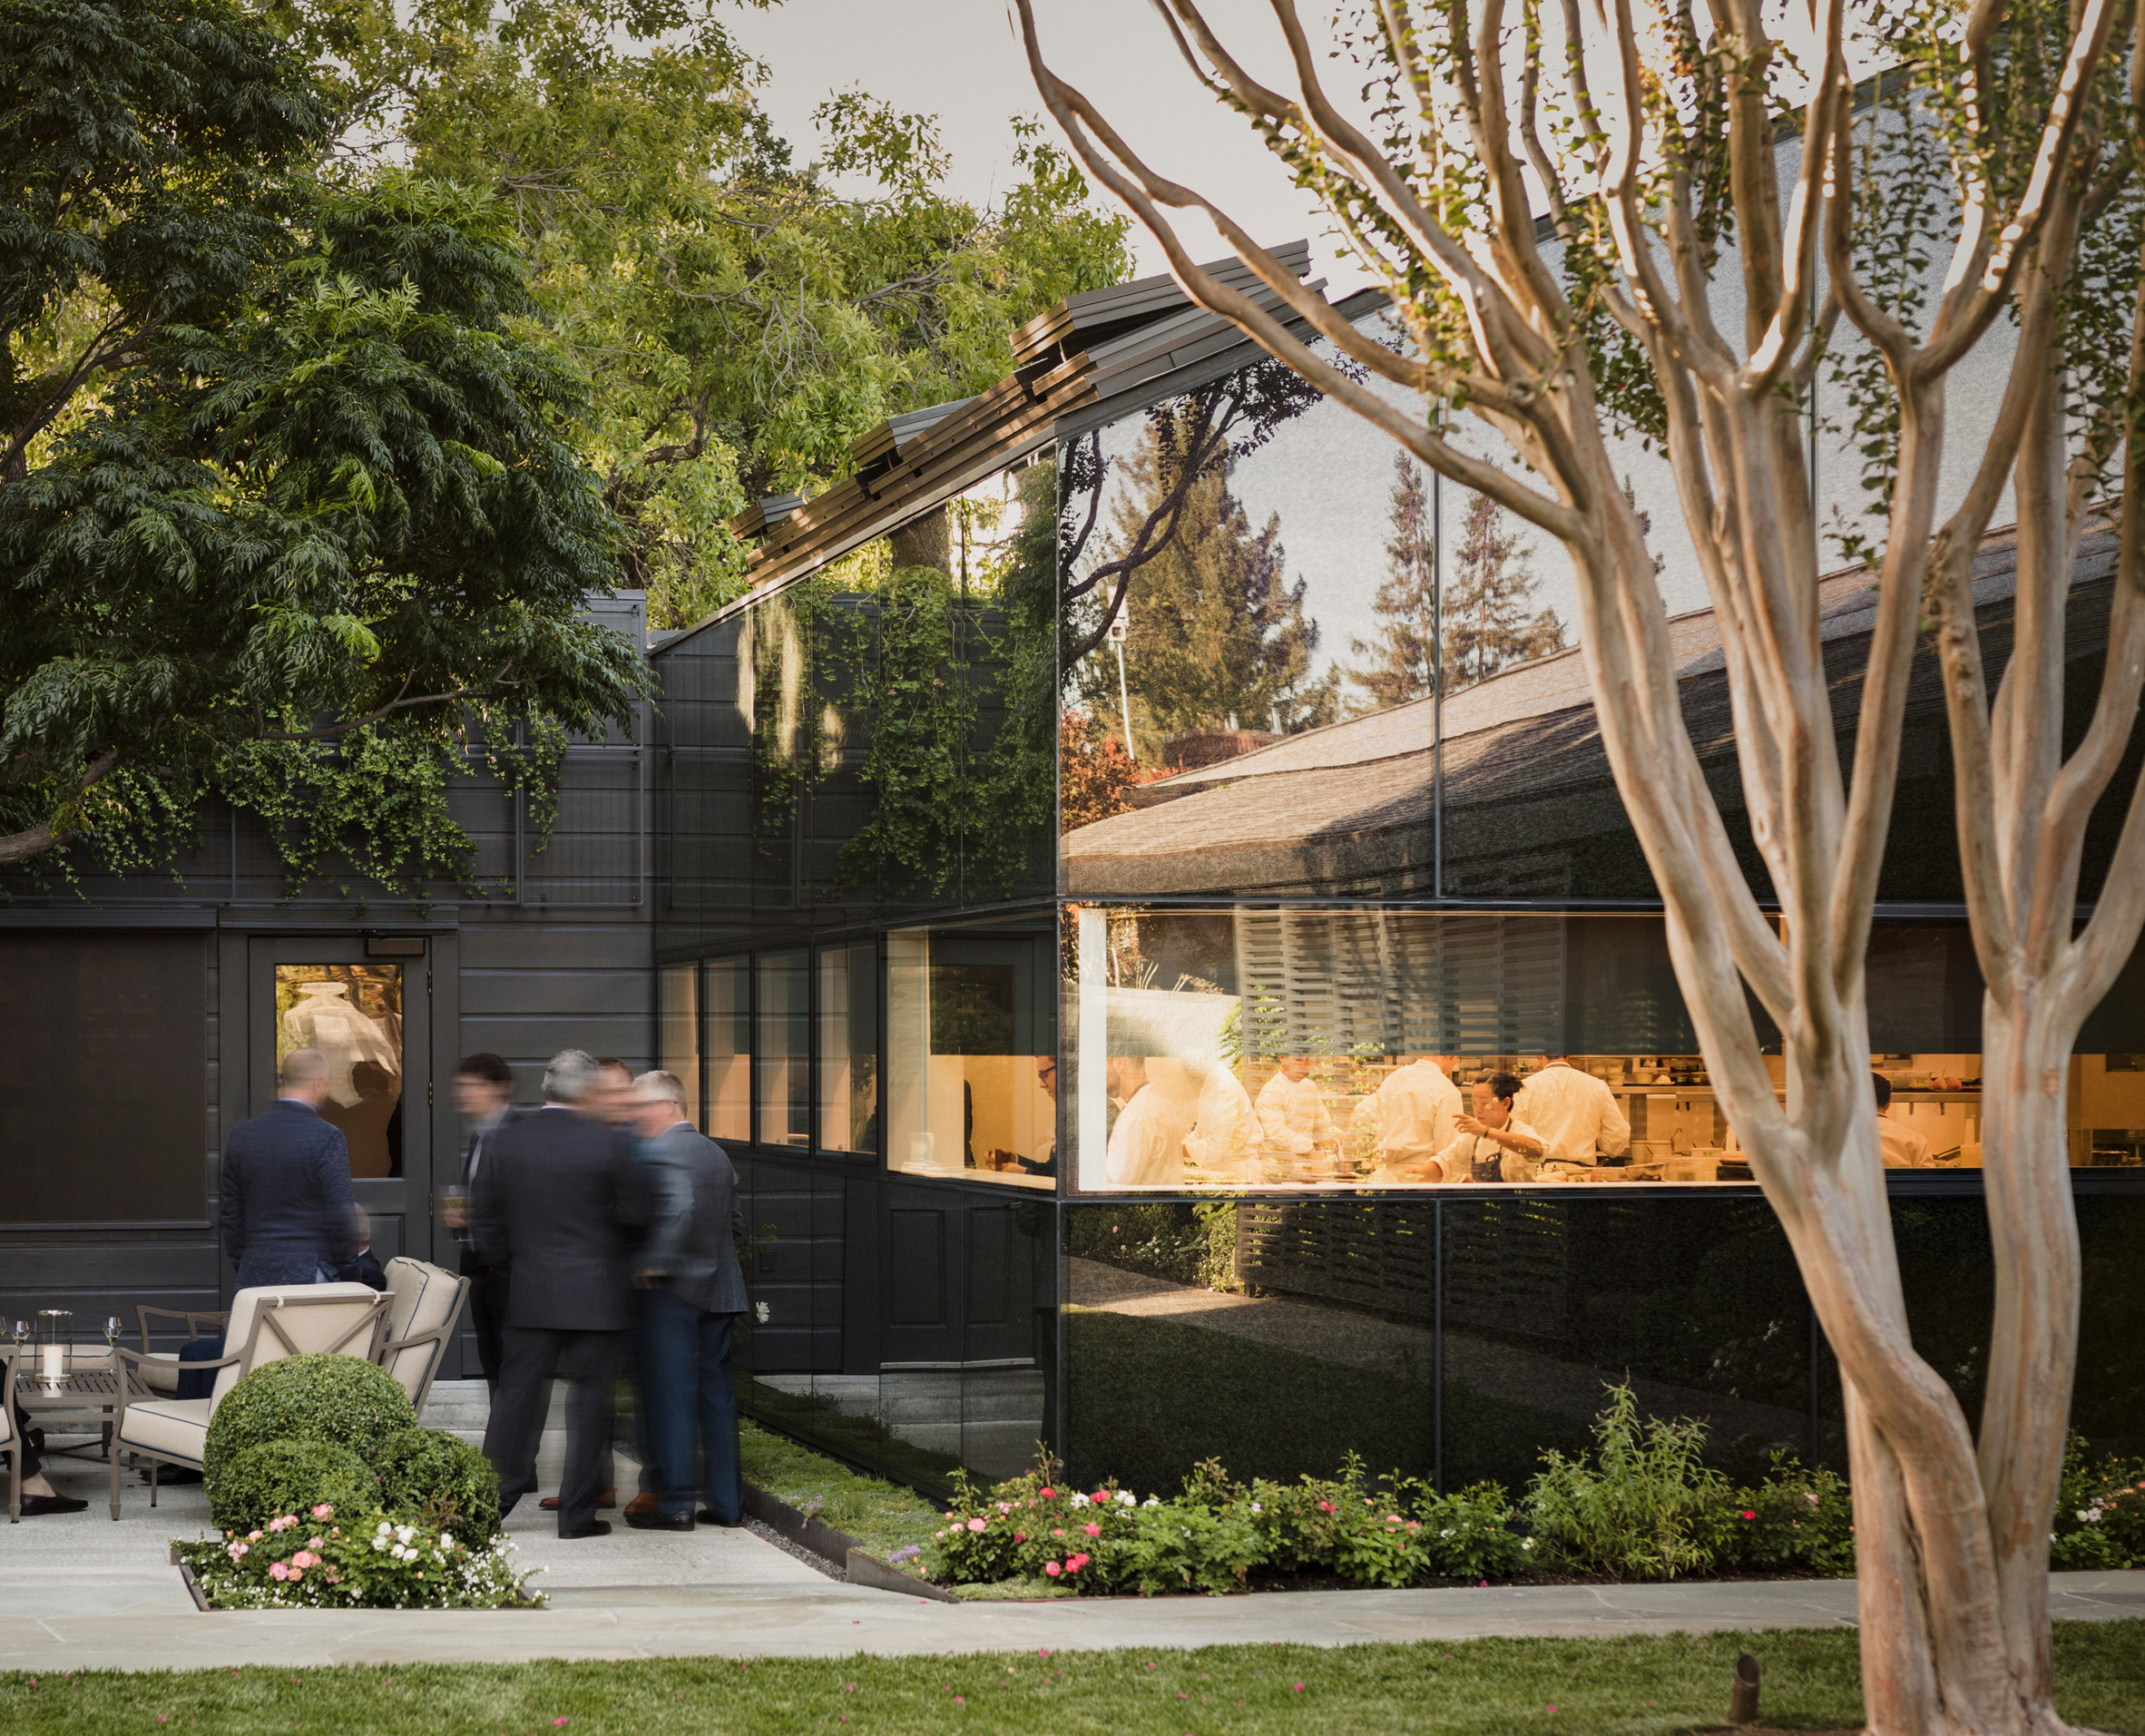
(690, 1394)
(534, 1354)
(487, 1315)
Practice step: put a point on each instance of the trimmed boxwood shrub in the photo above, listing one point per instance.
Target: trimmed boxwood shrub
(290, 1476)
(339, 1398)
(430, 1474)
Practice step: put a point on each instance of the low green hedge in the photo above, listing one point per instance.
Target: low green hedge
(273, 1478)
(346, 1400)
(433, 1476)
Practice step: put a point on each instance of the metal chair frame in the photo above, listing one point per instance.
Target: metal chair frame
(128, 1363)
(11, 1438)
(439, 1338)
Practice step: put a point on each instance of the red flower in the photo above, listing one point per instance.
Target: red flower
(1048, 1494)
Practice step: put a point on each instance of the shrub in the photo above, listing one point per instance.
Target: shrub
(1795, 1519)
(2100, 1516)
(289, 1476)
(339, 1398)
(319, 1559)
(443, 1483)
(1641, 1506)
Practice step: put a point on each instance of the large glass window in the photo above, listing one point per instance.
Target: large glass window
(727, 1043)
(353, 1014)
(850, 1047)
(782, 1059)
(971, 1073)
(1368, 1048)
(677, 1048)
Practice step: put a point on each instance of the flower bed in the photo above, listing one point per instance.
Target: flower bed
(362, 1560)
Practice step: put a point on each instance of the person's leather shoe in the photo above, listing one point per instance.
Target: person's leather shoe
(594, 1528)
(644, 1504)
(660, 1521)
(707, 1517)
(609, 1498)
(36, 1505)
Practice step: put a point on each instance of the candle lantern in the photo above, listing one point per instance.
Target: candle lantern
(55, 1334)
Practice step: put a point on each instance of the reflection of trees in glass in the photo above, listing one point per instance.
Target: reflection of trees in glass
(1403, 655)
(1219, 637)
(1225, 419)
(1094, 771)
(1486, 624)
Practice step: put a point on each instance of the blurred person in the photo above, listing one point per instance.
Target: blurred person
(1292, 1113)
(613, 1103)
(1575, 1113)
(27, 1452)
(483, 1092)
(1416, 1112)
(692, 1289)
(1222, 1123)
(1146, 1145)
(1903, 1149)
(555, 1208)
(290, 1213)
(1492, 1144)
(365, 1267)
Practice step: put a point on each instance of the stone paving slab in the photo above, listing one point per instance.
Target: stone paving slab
(830, 1620)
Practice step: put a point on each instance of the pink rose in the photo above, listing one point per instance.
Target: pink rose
(277, 1571)
(1092, 1530)
(1018, 1539)
(1747, 1514)
(322, 1511)
(1051, 1494)
(975, 1525)
(1053, 1569)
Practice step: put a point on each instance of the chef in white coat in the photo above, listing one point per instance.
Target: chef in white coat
(1493, 1143)
(1574, 1112)
(1416, 1112)
(1903, 1148)
(1222, 1123)
(1292, 1113)
(1147, 1142)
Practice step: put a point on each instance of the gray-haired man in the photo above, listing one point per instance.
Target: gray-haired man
(692, 1291)
(554, 1205)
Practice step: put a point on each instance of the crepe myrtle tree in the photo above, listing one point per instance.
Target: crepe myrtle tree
(2008, 136)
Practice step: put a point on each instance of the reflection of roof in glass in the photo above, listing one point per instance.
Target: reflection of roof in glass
(1347, 807)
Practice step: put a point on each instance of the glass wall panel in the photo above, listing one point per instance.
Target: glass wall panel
(1298, 1047)
(971, 1067)
(782, 1056)
(727, 1043)
(850, 1047)
(353, 1014)
(677, 1032)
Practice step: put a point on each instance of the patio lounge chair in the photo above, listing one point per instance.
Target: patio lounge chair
(266, 1326)
(161, 1369)
(424, 1308)
(11, 1441)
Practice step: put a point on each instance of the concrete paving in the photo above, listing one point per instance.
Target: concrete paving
(81, 1593)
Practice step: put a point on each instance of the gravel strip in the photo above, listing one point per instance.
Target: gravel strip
(789, 1547)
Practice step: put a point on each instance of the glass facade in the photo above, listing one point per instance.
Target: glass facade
(1178, 981)
(677, 1015)
(353, 1014)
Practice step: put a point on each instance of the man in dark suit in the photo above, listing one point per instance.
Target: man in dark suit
(553, 1207)
(693, 1290)
(483, 1083)
(289, 1215)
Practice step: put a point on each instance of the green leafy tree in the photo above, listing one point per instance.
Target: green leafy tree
(1486, 624)
(1219, 637)
(739, 321)
(290, 511)
(1403, 656)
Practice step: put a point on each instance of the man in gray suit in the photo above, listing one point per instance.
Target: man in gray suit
(554, 1204)
(693, 1290)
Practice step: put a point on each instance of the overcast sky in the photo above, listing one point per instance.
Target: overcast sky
(962, 61)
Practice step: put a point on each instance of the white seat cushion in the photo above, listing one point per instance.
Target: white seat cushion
(172, 1428)
(160, 1371)
(420, 1298)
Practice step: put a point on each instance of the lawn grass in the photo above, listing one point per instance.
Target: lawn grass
(1648, 1686)
(883, 1517)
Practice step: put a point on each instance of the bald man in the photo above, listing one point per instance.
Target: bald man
(290, 1213)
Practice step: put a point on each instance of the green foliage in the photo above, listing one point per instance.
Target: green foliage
(1642, 1506)
(282, 1477)
(2100, 1516)
(289, 510)
(1796, 1520)
(355, 1559)
(338, 1399)
(440, 1481)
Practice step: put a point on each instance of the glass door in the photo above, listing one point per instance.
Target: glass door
(366, 1004)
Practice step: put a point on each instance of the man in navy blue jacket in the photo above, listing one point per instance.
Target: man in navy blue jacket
(289, 1215)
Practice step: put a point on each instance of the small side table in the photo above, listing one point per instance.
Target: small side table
(89, 1392)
